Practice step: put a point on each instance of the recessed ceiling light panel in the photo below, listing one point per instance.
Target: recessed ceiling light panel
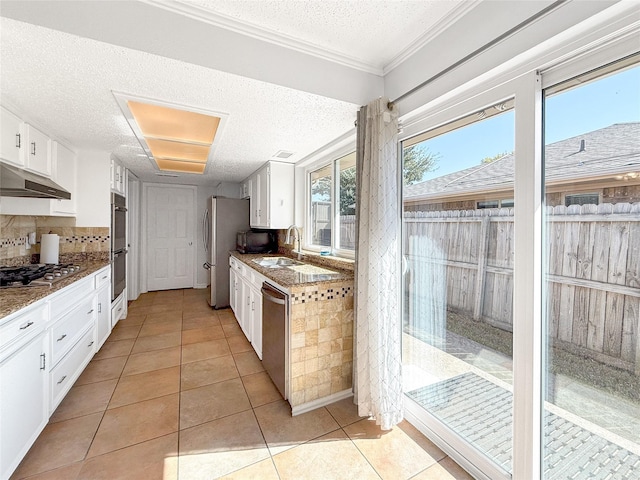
(177, 138)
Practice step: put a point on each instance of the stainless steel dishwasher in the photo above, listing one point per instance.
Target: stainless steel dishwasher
(275, 335)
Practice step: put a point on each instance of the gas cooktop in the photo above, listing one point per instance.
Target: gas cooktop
(37, 275)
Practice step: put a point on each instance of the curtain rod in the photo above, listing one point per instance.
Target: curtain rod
(478, 51)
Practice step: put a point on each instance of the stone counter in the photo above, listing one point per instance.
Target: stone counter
(321, 329)
(17, 298)
(290, 279)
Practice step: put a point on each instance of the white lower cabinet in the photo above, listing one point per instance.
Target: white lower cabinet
(246, 301)
(43, 350)
(24, 408)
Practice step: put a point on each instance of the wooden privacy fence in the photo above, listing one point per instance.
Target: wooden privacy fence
(593, 273)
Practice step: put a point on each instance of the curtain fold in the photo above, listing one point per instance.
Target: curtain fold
(377, 337)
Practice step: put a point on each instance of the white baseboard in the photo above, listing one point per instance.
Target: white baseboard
(201, 285)
(320, 402)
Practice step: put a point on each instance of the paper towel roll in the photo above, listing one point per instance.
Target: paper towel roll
(49, 248)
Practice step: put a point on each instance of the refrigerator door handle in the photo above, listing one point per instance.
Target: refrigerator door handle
(205, 230)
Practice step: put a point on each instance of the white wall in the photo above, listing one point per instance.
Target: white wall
(94, 189)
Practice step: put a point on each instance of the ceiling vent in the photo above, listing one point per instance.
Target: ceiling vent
(282, 154)
(173, 175)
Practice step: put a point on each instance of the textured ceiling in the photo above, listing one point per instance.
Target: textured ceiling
(371, 32)
(65, 87)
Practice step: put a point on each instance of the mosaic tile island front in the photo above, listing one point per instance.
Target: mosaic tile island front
(321, 331)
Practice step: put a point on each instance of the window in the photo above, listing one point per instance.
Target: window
(321, 190)
(507, 203)
(582, 199)
(332, 207)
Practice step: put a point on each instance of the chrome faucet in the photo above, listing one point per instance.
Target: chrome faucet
(295, 236)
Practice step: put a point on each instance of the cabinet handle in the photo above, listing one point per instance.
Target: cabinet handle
(120, 309)
(18, 140)
(90, 344)
(105, 277)
(62, 379)
(43, 361)
(99, 307)
(33, 148)
(24, 327)
(62, 337)
(90, 312)
(253, 306)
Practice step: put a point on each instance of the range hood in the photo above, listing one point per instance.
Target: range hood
(15, 182)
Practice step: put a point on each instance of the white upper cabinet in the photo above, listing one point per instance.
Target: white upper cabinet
(118, 177)
(11, 139)
(65, 175)
(37, 154)
(245, 188)
(272, 196)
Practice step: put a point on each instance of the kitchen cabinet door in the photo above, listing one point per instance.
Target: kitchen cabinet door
(254, 202)
(64, 174)
(11, 138)
(233, 289)
(263, 197)
(255, 298)
(37, 154)
(23, 401)
(103, 319)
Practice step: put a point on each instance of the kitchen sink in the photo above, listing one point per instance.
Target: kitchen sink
(276, 262)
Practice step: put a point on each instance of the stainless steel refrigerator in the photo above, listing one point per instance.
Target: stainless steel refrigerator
(223, 219)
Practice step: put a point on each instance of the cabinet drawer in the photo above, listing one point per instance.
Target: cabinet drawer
(103, 277)
(23, 327)
(67, 299)
(69, 369)
(66, 331)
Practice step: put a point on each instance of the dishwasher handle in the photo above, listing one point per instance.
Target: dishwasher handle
(267, 294)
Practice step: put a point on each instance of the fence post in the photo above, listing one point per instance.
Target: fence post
(483, 248)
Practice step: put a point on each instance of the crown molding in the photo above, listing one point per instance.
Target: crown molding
(196, 12)
(459, 11)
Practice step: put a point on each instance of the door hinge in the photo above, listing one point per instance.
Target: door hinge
(43, 361)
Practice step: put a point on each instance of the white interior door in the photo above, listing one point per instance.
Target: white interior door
(170, 233)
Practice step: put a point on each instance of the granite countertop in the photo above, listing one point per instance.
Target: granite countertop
(14, 299)
(288, 278)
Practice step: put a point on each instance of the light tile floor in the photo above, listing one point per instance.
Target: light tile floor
(177, 393)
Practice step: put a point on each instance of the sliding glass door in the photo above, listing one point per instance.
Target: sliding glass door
(458, 222)
(592, 274)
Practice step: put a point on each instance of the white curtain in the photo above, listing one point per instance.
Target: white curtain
(378, 362)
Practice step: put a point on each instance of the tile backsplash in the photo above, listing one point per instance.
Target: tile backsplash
(15, 229)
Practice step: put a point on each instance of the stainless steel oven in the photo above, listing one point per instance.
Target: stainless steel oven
(118, 245)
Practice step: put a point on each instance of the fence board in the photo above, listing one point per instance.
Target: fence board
(600, 268)
(597, 310)
(630, 322)
(580, 324)
(619, 243)
(613, 324)
(585, 250)
(633, 252)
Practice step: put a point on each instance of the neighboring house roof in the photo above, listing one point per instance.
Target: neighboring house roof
(609, 151)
